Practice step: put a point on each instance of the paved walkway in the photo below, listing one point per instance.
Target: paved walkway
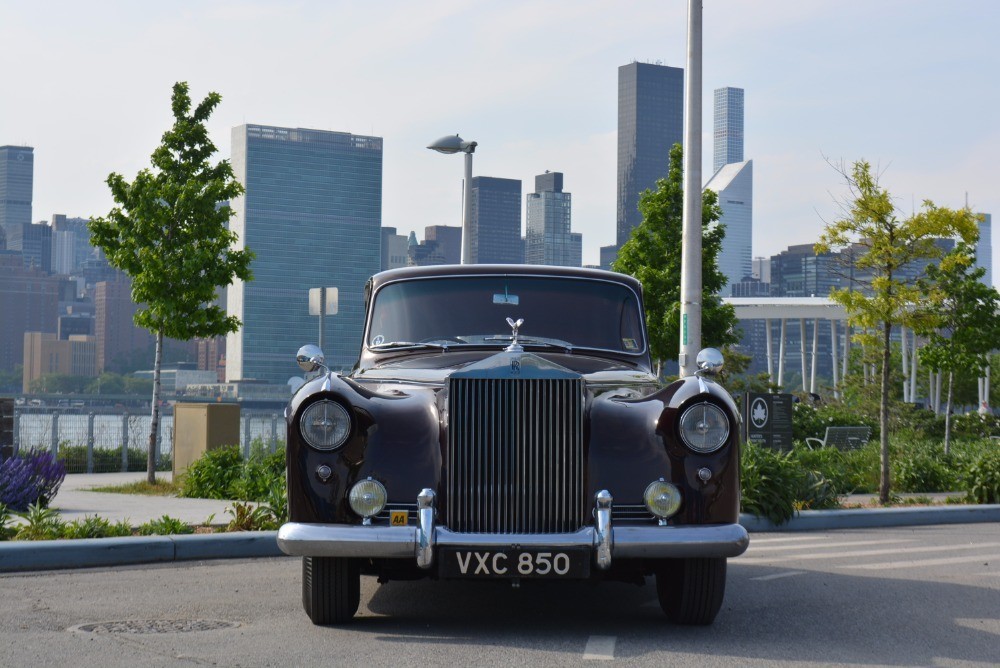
(74, 501)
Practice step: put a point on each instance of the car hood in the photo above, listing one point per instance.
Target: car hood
(434, 368)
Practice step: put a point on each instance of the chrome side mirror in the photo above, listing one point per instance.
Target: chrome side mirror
(710, 362)
(310, 358)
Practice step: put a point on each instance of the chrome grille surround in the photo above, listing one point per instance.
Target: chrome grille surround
(515, 455)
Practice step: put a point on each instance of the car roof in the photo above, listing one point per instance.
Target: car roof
(457, 270)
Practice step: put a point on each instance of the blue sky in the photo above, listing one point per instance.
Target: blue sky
(911, 86)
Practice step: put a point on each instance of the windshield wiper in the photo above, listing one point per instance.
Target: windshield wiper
(393, 345)
(528, 341)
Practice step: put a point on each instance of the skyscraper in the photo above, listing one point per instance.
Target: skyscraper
(34, 242)
(650, 122)
(17, 170)
(984, 248)
(312, 213)
(728, 133)
(496, 221)
(393, 249)
(549, 239)
(734, 185)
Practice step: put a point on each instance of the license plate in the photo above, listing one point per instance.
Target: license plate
(515, 562)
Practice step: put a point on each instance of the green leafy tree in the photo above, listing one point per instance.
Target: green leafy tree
(653, 255)
(168, 233)
(963, 311)
(888, 245)
(107, 383)
(11, 381)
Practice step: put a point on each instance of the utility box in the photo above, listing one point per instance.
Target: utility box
(199, 428)
(6, 428)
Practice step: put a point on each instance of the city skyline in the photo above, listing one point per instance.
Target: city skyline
(539, 92)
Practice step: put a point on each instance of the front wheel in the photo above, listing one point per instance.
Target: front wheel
(691, 590)
(331, 589)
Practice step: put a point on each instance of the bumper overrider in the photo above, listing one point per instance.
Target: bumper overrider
(603, 539)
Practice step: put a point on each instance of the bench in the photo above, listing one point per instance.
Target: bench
(842, 438)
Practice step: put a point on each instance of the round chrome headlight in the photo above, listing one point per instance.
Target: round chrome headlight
(704, 427)
(367, 498)
(662, 499)
(325, 425)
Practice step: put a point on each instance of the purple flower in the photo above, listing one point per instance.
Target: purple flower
(34, 478)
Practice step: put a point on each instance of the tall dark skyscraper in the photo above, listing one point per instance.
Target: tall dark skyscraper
(17, 173)
(312, 213)
(496, 221)
(650, 122)
(728, 127)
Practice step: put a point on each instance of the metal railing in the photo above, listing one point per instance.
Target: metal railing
(108, 442)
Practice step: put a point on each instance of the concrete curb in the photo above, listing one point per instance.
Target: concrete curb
(95, 552)
(866, 518)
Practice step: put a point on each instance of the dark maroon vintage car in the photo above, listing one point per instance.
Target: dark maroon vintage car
(504, 422)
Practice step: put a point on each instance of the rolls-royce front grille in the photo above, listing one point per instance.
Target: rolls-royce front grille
(515, 456)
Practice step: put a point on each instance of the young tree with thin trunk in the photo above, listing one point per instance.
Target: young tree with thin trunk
(168, 233)
(889, 244)
(963, 318)
(653, 255)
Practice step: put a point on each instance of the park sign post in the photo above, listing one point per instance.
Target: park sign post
(767, 420)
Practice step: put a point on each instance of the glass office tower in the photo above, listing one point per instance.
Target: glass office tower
(17, 172)
(650, 122)
(984, 248)
(496, 221)
(549, 240)
(728, 131)
(734, 185)
(312, 214)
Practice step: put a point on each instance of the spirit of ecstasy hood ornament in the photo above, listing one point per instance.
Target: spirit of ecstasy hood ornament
(514, 325)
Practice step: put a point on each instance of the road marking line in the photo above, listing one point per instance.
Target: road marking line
(864, 553)
(787, 539)
(776, 576)
(600, 648)
(829, 545)
(925, 562)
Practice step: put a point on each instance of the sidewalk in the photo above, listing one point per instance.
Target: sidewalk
(74, 501)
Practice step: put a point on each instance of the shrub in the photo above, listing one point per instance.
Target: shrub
(107, 459)
(41, 523)
(247, 517)
(770, 480)
(982, 477)
(213, 475)
(974, 425)
(921, 467)
(5, 531)
(92, 526)
(258, 474)
(34, 478)
(164, 526)
(223, 474)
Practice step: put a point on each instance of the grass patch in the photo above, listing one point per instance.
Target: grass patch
(142, 487)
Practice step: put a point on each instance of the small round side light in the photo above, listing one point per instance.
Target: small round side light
(367, 498)
(662, 499)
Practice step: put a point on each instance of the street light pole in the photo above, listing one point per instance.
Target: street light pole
(691, 284)
(455, 144)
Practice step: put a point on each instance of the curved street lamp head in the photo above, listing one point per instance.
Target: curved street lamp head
(453, 144)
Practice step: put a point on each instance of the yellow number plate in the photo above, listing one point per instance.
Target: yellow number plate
(399, 518)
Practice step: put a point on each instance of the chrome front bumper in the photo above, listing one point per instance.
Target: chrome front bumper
(418, 542)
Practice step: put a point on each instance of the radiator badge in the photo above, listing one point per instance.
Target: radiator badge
(515, 367)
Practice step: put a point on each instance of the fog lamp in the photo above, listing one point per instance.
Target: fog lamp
(367, 498)
(662, 499)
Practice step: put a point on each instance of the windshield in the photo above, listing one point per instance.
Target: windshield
(473, 311)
